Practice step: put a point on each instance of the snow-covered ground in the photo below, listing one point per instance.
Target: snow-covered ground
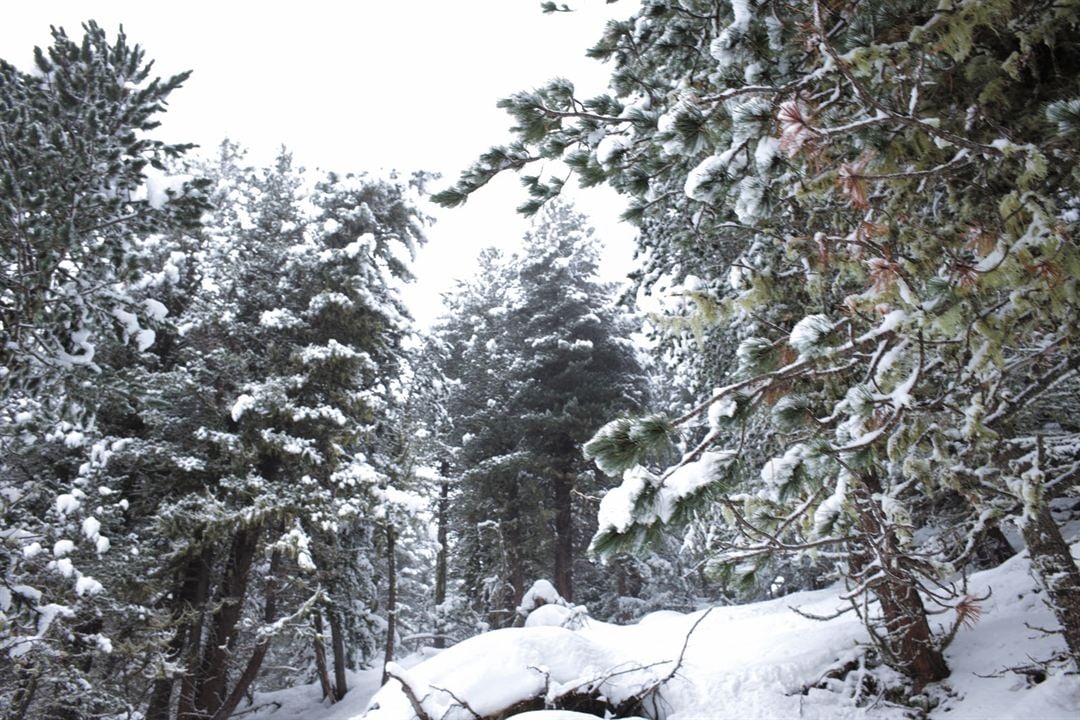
(748, 661)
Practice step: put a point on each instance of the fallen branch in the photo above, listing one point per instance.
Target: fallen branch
(395, 671)
(256, 708)
(459, 701)
(823, 618)
(650, 693)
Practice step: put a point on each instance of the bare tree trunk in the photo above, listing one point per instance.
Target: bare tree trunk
(391, 597)
(517, 572)
(1057, 572)
(337, 642)
(320, 658)
(564, 535)
(190, 594)
(909, 642)
(442, 557)
(251, 671)
(185, 706)
(221, 642)
(513, 543)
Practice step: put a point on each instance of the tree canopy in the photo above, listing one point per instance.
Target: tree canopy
(882, 199)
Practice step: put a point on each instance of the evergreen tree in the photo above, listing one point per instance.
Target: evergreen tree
(82, 186)
(238, 466)
(889, 193)
(538, 357)
(492, 510)
(308, 350)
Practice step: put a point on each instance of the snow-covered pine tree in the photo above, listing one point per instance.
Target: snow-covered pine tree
(491, 511)
(576, 366)
(82, 183)
(892, 190)
(246, 454)
(79, 185)
(539, 356)
(407, 539)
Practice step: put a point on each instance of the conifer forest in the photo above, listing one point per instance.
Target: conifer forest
(818, 456)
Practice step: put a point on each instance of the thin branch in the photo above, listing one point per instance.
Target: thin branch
(456, 699)
(417, 705)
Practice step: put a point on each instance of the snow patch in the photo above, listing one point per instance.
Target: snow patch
(243, 403)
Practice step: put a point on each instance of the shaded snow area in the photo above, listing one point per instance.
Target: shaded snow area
(748, 661)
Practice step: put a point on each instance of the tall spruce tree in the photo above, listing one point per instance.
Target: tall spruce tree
(889, 192)
(539, 356)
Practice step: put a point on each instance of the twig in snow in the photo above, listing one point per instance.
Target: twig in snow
(1044, 631)
(255, 708)
(823, 618)
(1035, 672)
(458, 700)
(392, 670)
(653, 689)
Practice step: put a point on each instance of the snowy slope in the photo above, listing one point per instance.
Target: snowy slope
(749, 661)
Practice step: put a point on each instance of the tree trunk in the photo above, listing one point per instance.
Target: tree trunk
(190, 594)
(441, 557)
(337, 642)
(564, 535)
(185, 706)
(251, 671)
(1057, 572)
(517, 574)
(513, 543)
(909, 643)
(221, 642)
(391, 597)
(320, 659)
(992, 548)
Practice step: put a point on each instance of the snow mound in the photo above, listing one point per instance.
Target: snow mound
(541, 593)
(550, 616)
(743, 661)
(495, 671)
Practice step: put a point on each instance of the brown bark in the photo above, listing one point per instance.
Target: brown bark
(189, 596)
(320, 658)
(391, 598)
(337, 643)
(876, 561)
(564, 535)
(517, 575)
(1057, 572)
(221, 641)
(251, 671)
(441, 557)
(185, 706)
(513, 542)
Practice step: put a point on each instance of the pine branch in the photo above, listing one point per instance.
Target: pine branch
(1010, 406)
(867, 97)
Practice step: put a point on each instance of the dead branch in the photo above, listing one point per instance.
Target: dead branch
(822, 618)
(418, 707)
(458, 700)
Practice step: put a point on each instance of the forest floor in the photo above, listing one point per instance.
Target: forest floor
(760, 660)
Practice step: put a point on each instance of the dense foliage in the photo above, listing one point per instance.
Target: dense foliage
(538, 357)
(881, 199)
(228, 461)
(203, 363)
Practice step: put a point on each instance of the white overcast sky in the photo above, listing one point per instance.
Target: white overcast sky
(363, 86)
